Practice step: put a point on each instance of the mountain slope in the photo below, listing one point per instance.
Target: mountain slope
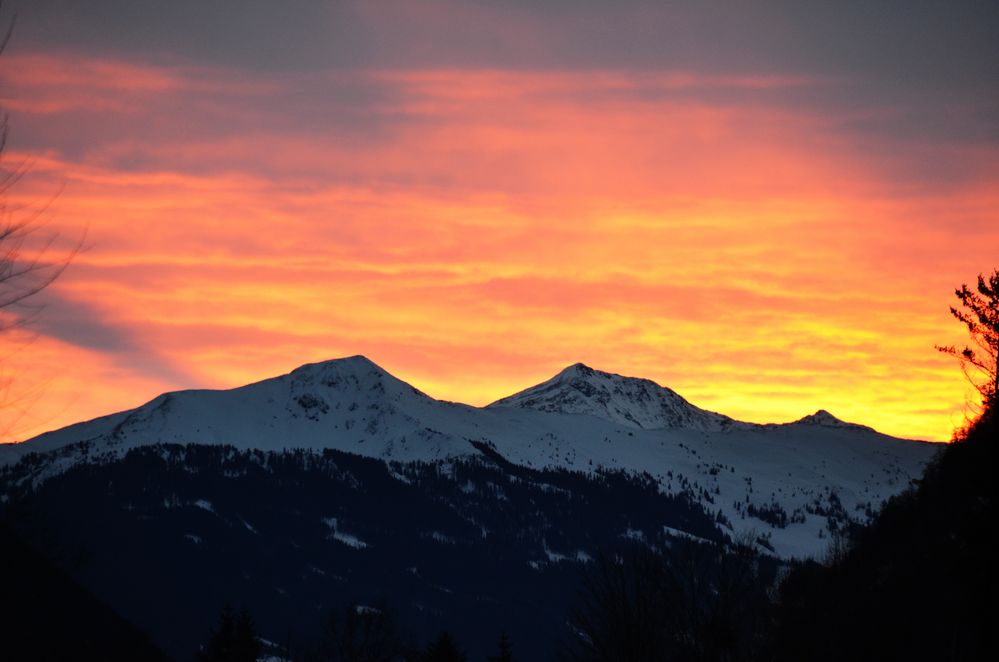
(475, 544)
(45, 615)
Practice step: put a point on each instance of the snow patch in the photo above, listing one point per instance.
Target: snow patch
(677, 533)
(204, 505)
(342, 536)
(555, 557)
(439, 537)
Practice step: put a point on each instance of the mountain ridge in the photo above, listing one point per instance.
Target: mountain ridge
(815, 470)
(572, 374)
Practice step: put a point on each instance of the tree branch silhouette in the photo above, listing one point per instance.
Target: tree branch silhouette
(30, 257)
(979, 312)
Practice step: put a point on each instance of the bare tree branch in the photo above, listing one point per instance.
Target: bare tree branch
(31, 259)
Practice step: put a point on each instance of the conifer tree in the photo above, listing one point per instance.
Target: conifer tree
(979, 312)
(358, 633)
(443, 650)
(246, 644)
(505, 650)
(234, 639)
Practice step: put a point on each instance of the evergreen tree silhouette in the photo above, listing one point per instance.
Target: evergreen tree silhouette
(505, 650)
(443, 650)
(234, 639)
(245, 645)
(699, 602)
(357, 633)
(979, 312)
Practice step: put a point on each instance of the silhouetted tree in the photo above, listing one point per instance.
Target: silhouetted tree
(979, 312)
(443, 650)
(234, 639)
(357, 633)
(917, 583)
(29, 261)
(623, 612)
(698, 602)
(505, 653)
(21, 275)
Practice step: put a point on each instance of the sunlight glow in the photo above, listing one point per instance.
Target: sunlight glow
(473, 232)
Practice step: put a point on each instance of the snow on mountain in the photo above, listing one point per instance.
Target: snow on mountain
(785, 485)
(334, 404)
(630, 401)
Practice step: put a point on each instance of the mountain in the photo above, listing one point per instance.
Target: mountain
(629, 401)
(784, 482)
(333, 404)
(339, 481)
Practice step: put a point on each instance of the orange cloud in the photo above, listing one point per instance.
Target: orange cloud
(475, 231)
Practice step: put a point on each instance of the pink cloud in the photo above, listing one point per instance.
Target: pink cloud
(482, 228)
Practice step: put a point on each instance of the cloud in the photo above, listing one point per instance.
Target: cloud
(87, 326)
(476, 217)
(930, 65)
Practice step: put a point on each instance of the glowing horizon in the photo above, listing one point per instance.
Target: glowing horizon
(765, 241)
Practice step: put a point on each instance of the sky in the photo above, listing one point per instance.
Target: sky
(765, 206)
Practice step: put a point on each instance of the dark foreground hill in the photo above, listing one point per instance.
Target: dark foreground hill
(920, 582)
(46, 615)
(169, 534)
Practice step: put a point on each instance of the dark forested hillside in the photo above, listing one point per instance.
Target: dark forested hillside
(170, 534)
(919, 583)
(46, 615)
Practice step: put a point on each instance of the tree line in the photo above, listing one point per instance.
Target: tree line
(353, 633)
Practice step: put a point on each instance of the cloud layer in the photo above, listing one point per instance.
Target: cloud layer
(736, 204)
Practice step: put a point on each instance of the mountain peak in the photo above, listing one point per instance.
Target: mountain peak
(824, 419)
(631, 401)
(355, 362)
(576, 370)
(354, 367)
(350, 374)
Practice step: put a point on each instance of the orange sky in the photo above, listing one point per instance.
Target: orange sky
(475, 229)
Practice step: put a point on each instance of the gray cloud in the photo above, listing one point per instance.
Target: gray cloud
(936, 64)
(86, 326)
(900, 42)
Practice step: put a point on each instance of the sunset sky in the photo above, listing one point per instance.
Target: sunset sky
(764, 206)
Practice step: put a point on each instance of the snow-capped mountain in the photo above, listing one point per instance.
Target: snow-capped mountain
(785, 482)
(339, 479)
(630, 401)
(349, 404)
